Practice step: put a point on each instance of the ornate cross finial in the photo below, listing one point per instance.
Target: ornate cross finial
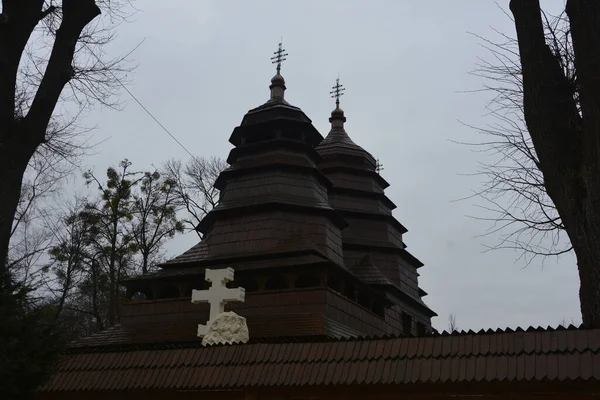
(378, 166)
(337, 92)
(279, 57)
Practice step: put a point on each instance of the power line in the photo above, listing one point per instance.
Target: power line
(139, 102)
(152, 116)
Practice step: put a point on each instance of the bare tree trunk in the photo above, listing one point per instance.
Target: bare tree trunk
(567, 142)
(13, 167)
(21, 136)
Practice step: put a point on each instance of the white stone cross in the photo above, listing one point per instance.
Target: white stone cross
(217, 295)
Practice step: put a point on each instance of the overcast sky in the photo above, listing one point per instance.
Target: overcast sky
(203, 64)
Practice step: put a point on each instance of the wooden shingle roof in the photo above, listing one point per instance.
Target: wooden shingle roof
(503, 356)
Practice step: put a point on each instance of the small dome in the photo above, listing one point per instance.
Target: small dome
(337, 142)
(278, 80)
(338, 113)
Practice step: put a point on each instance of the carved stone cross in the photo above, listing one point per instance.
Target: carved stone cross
(217, 295)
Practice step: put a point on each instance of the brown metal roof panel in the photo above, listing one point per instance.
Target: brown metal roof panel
(520, 368)
(480, 368)
(501, 368)
(258, 374)
(387, 375)
(577, 339)
(304, 372)
(391, 348)
(587, 365)
(561, 367)
(454, 345)
(540, 366)
(322, 372)
(338, 350)
(229, 353)
(467, 345)
(596, 365)
(330, 372)
(562, 340)
(398, 371)
(511, 372)
(145, 378)
(291, 375)
(234, 373)
(484, 344)
(415, 370)
(353, 373)
(436, 369)
(173, 378)
(593, 339)
(425, 373)
(285, 350)
(314, 373)
(244, 371)
(161, 380)
(470, 370)
(388, 348)
(269, 376)
(364, 350)
(530, 365)
(113, 379)
(490, 368)
(445, 369)
(457, 368)
(374, 350)
(304, 352)
(271, 353)
(573, 365)
(428, 346)
(551, 363)
(438, 346)
(495, 344)
(518, 342)
(476, 341)
(370, 371)
(413, 347)
(208, 377)
(529, 342)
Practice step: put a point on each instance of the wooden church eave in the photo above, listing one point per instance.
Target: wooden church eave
(258, 127)
(207, 221)
(274, 253)
(383, 247)
(273, 144)
(355, 171)
(373, 217)
(365, 193)
(273, 164)
(406, 298)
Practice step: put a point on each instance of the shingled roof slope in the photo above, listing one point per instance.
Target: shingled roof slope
(547, 355)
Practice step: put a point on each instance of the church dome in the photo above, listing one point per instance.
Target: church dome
(339, 144)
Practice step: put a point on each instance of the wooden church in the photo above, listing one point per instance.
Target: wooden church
(332, 301)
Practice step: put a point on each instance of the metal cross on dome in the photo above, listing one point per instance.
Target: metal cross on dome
(217, 295)
(337, 92)
(279, 57)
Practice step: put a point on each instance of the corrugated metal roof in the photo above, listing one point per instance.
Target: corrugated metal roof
(536, 355)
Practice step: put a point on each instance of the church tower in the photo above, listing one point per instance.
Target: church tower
(372, 242)
(299, 239)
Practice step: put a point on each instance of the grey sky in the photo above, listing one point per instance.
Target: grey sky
(203, 64)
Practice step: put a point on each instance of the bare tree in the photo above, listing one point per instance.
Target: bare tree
(155, 219)
(32, 232)
(514, 190)
(46, 47)
(452, 327)
(194, 186)
(559, 78)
